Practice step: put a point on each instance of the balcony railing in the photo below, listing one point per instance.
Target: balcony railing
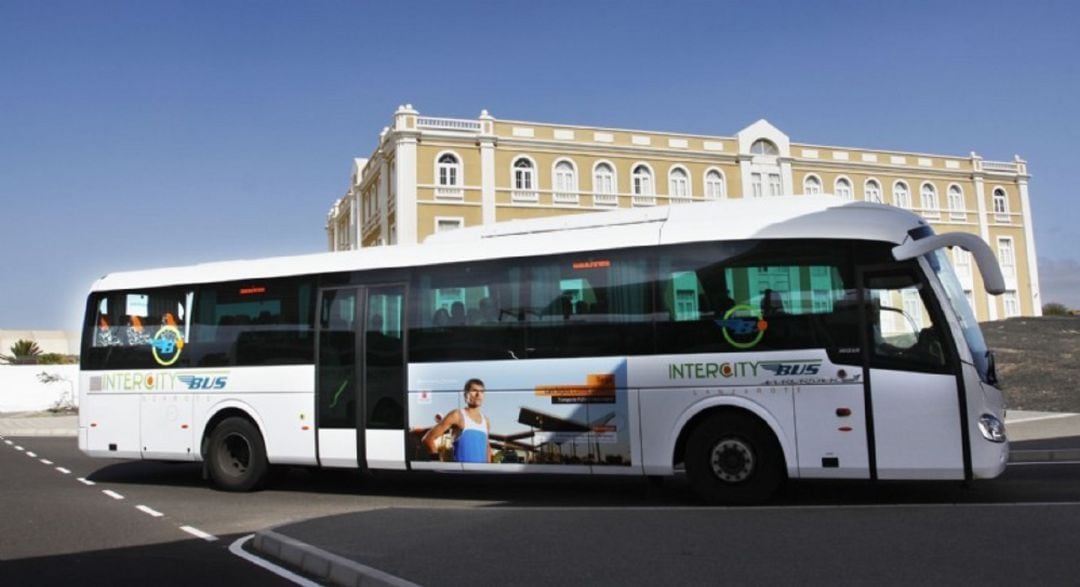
(565, 198)
(449, 193)
(527, 196)
(1002, 166)
(602, 199)
(450, 124)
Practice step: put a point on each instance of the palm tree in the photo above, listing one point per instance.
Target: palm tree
(23, 352)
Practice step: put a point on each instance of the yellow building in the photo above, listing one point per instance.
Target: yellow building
(434, 174)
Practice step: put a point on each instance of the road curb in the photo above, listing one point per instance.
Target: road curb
(323, 565)
(38, 432)
(1044, 456)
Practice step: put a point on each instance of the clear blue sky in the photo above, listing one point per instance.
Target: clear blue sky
(142, 134)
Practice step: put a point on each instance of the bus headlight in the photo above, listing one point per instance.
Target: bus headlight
(992, 429)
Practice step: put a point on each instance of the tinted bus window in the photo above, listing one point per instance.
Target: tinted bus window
(469, 311)
(592, 304)
(247, 323)
(731, 297)
(138, 329)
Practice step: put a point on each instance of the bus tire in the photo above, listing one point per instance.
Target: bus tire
(733, 459)
(236, 455)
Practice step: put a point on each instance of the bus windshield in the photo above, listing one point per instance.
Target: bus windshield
(959, 302)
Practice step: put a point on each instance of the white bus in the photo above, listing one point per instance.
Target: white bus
(744, 342)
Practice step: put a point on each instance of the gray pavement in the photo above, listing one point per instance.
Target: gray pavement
(1038, 437)
(38, 424)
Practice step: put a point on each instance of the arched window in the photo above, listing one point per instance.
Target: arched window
(843, 189)
(642, 183)
(901, 195)
(928, 199)
(956, 202)
(872, 191)
(1001, 205)
(678, 185)
(448, 176)
(604, 191)
(714, 185)
(764, 147)
(524, 180)
(566, 189)
(811, 185)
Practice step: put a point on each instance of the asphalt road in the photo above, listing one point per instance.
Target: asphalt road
(436, 529)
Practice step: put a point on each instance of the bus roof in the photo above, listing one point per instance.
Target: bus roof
(782, 217)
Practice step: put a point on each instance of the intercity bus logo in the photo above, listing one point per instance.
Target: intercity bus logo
(195, 383)
(744, 330)
(741, 369)
(166, 345)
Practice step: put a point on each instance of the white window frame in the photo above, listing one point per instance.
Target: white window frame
(957, 210)
(458, 221)
(806, 186)
(999, 195)
(757, 184)
(644, 192)
(567, 194)
(877, 189)
(605, 198)
(452, 190)
(1006, 253)
(774, 151)
(776, 185)
(679, 189)
(901, 199)
(928, 200)
(715, 189)
(1010, 304)
(529, 194)
(850, 197)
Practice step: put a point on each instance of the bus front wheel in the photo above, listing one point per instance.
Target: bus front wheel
(733, 459)
(236, 455)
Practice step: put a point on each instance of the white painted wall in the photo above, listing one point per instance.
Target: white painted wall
(20, 390)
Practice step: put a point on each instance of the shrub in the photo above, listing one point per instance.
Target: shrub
(57, 359)
(1055, 309)
(23, 352)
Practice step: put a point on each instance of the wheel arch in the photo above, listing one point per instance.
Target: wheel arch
(226, 410)
(704, 409)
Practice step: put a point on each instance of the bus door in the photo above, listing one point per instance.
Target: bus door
(361, 377)
(913, 393)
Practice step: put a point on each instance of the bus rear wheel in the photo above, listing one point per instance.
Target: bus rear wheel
(733, 459)
(236, 455)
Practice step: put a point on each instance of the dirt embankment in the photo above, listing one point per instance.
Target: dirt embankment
(1038, 361)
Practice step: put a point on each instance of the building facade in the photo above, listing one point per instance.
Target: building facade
(430, 174)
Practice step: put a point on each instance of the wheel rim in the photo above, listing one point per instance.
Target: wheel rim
(235, 454)
(732, 460)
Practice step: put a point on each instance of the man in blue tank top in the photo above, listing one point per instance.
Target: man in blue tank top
(469, 426)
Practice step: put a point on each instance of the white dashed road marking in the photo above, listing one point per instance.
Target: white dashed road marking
(112, 494)
(17, 447)
(46, 462)
(198, 533)
(146, 510)
(63, 470)
(85, 481)
(31, 455)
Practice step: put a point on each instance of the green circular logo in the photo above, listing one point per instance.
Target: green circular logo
(741, 328)
(166, 345)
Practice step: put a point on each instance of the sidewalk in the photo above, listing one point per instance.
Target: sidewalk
(38, 424)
